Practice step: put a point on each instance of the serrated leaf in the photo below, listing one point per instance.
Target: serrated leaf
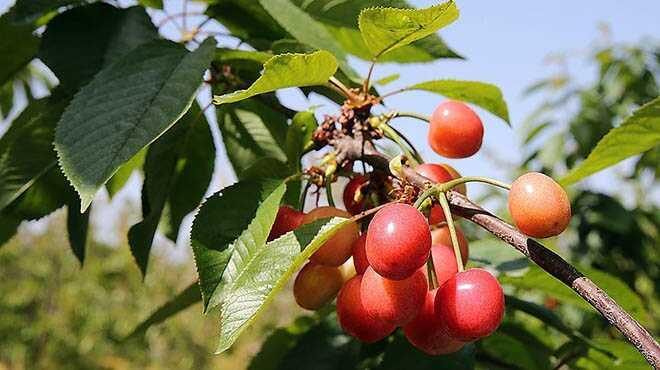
(287, 70)
(256, 274)
(26, 151)
(251, 130)
(484, 95)
(299, 136)
(18, 46)
(77, 226)
(80, 42)
(98, 133)
(220, 221)
(637, 134)
(180, 302)
(386, 29)
(307, 30)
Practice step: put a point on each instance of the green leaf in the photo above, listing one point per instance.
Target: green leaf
(218, 224)
(637, 134)
(80, 42)
(257, 273)
(157, 4)
(183, 300)
(485, 95)
(385, 29)
(307, 30)
(225, 55)
(496, 254)
(77, 225)
(119, 179)
(400, 354)
(251, 130)
(299, 137)
(287, 70)
(26, 151)
(265, 168)
(98, 133)
(511, 351)
(18, 46)
(626, 357)
(28, 11)
(387, 79)
(279, 343)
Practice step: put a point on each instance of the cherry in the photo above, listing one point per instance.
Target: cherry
(354, 319)
(437, 174)
(393, 301)
(471, 304)
(398, 241)
(444, 262)
(316, 285)
(287, 219)
(426, 332)
(360, 254)
(539, 206)
(442, 236)
(455, 130)
(462, 188)
(354, 196)
(338, 248)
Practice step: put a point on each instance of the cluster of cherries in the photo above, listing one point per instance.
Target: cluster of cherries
(391, 286)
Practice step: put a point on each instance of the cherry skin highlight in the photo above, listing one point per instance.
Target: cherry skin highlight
(425, 331)
(360, 254)
(471, 304)
(338, 248)
(455, 130)
(354, 319)
(287, 219)
(398, 241)
(393, 301)
(539, 206)
(354, 196)
(444, 262)
(437, 174)
(317, 285)
(442, 236)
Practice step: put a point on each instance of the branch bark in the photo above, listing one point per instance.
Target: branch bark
(349, 148)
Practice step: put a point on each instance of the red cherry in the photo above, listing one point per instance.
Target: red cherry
(398, 241)
(393, 301)
(354, 319)
(539, 206)
(471, 304)
(455, 131)
(437, 174)
(360, 254)
(287, 219)
(444, 262)
(426, 333)
(441, 236)
(316, 285)
(354, 197)
(338, 248)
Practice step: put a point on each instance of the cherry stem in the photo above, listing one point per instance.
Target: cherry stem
(328, 193)
(452, 230)
(303, 196)
(430, 269)
(419, 116)
(365, 86)
(408, 150)
(446, 186)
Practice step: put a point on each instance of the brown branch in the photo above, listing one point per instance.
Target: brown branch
(349, 148)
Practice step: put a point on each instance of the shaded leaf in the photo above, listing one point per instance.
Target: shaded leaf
(637, 134)
(496, 254)
(279, 343)
(80, 42)
(18, 46)
(400, 354)
(29, 11)
(256, 273)
(385, 29)
(299, 136)
(265, 168)
(183, 300)
(485, 95)
(77, 225)
(287, 70)
(157, 83)
(119, 179)
(513, 352)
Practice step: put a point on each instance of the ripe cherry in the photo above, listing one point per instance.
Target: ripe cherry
(398, 241)
(437, 174)
(444, 262)
(354, 319)
(393, 301)
(441, 235)
(316, 285)
(539, 206)
(354, 194)
(338, 248)
(471, 304)
(360, 254)
(426, 331)
(287, 219)
(455, 130)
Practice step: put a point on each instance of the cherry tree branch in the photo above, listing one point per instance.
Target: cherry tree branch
(349, 148)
